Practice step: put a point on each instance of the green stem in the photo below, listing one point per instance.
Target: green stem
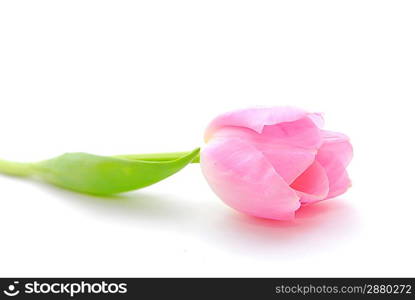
(16, 168)
(158, 156)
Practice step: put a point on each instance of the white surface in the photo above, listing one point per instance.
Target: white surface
(115, 77)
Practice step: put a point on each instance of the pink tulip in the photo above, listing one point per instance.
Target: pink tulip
(268, 162)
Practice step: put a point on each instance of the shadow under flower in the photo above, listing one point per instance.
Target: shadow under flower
(315, 227)
(136, 205)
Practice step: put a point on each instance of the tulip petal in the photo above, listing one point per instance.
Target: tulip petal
(244, 179)
(288, 162)
(313, 184)
(257, 118)
(290, 147)
(334, 155)
(299, 133)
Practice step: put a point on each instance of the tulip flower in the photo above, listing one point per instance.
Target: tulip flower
(265, 162)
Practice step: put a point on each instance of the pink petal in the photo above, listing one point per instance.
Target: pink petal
(340, 185)
(290, 147)
(244, 179)
(334, 155)
(317, 118)
(257, 118)
(313, 184)
(289, 162)
(302, 133)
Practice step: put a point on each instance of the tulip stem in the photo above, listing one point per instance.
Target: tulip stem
(158, 156)
(16, 168)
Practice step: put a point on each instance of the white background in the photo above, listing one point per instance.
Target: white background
(117, 77)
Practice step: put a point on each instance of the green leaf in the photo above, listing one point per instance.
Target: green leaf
(105, 175)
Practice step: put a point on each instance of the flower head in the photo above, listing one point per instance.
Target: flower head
(267, 162)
